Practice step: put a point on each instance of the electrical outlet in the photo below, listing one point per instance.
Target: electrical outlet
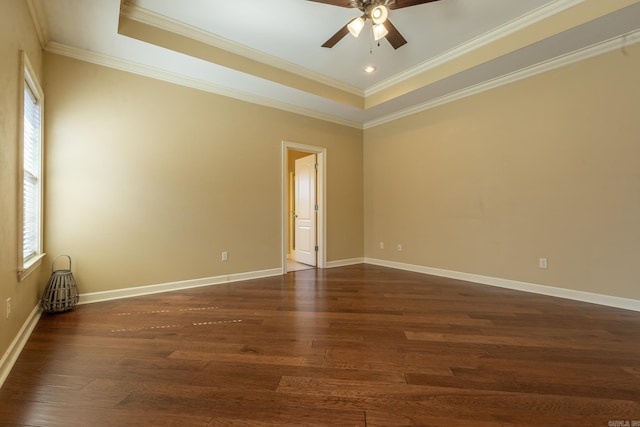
(542, 263)
(8, 307)
(225, 256)
(399, 247)
(381, 245)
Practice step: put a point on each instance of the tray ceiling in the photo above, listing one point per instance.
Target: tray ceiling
(269, 52)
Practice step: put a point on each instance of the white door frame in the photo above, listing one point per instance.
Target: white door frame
(321, 196)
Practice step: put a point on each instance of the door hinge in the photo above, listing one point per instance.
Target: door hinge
(315, 166)
(316, 207)
(316, 248)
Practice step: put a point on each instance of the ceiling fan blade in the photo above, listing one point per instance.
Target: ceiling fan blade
(336, 37)
(341, 3)
(399, 4)
(394, 37)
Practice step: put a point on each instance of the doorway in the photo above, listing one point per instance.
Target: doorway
(303, 211)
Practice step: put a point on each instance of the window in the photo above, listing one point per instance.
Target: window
(30, 229)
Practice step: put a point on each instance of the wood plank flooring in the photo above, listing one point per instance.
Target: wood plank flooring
(351, 346)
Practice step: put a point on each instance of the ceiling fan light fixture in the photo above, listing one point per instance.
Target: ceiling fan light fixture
(379, 31)
(356, 26)
(379, 14)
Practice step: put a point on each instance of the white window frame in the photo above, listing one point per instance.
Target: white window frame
(28, 80)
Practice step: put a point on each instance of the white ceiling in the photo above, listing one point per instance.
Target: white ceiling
(288, 34)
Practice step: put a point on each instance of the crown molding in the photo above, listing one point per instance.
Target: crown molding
(159, 74)
(39, 21)
(558, 62)
(179, 79)
(160, 21)
(148, 17)
(151, 18)
(485, 39)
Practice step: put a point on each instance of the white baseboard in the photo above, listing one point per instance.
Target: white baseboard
(344, 262)
(11, 355)
(607, 300)
(93, 297)
(174, 286)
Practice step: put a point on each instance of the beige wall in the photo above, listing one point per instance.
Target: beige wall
(148, 182)
(17, 33)
(545, 167)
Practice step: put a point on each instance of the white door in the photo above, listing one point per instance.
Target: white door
(305, 212)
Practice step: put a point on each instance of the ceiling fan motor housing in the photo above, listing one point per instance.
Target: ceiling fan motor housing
(366, 6)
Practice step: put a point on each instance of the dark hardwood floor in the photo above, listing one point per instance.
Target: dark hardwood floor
(351, 346)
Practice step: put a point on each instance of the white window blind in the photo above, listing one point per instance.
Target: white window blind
(32, 153)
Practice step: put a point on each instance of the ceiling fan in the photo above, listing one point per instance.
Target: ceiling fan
(375, 10)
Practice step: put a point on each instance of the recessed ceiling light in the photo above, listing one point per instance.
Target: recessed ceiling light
(369, 69)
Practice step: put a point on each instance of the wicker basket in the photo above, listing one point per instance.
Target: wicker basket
(61, 293)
